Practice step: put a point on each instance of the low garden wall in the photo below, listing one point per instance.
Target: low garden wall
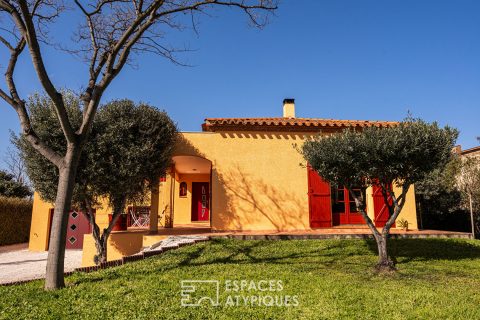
(15, 219)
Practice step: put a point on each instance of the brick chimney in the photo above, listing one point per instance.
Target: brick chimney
(289, 108)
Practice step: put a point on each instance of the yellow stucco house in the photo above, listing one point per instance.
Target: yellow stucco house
(245, 174)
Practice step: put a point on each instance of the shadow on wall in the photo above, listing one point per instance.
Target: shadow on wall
(251, 202)
(124, 244)
(241, 201)
(186, 148)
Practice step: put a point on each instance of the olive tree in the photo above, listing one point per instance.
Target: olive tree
(110, 34)
(129, 148)
(42, 173)
(133, 149)
(397, 155)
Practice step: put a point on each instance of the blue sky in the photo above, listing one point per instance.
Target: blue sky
(339, 59)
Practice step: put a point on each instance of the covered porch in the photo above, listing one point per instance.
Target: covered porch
(181, 200)
(179, 205)
(184, 195)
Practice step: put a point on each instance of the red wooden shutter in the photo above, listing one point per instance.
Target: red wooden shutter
(319, 201)
(381, 210)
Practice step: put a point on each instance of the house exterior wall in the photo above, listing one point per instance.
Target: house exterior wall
(40, 226)
(409, 211)
(120, 244)
(183, 205)
(258, 182)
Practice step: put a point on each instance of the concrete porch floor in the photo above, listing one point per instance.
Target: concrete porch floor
(343, 232)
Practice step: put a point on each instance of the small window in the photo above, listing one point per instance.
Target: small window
(183, 189)
(163, 178)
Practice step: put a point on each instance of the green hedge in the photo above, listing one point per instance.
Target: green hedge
(15, 219)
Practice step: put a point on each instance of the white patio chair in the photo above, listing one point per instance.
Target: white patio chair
(142, 220)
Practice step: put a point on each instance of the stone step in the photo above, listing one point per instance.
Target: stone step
(174, 242)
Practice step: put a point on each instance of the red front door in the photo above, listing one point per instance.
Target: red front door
(344, 208)
(200, 201)
(320, 208)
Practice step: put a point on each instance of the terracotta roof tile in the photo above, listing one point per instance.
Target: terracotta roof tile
(287, 124)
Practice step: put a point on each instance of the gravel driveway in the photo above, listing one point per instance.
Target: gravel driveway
(17, 263)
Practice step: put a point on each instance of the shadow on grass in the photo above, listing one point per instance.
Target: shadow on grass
(269, 252)
(406, 250)
(350, 256)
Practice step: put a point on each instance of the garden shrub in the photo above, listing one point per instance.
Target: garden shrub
(15, 218)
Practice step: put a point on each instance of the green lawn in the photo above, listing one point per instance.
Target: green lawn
(332, 279)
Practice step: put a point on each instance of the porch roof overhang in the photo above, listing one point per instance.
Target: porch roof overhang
(192, 165)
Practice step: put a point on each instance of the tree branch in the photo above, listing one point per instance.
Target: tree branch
(29, 33)
(398, 207)
(360, 204)
(19, 106)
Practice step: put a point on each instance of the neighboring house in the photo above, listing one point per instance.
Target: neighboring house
(247, 174)
(472, 152)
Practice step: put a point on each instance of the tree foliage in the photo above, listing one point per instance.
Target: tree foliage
(402, 155)
(437, 192)
(397, 153)
(133, 147)
(9, 187)
(106, 35)
(129, 148)
(44, 174)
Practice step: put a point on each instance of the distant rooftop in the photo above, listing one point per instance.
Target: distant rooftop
(469, 151)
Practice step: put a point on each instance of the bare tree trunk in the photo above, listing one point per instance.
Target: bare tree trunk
(56, 250)
(101, 240)
(384, 261)
(471, 215)
(101, 243)
(101, 246)
(381, 238)
(420, 213)
(382, 251)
